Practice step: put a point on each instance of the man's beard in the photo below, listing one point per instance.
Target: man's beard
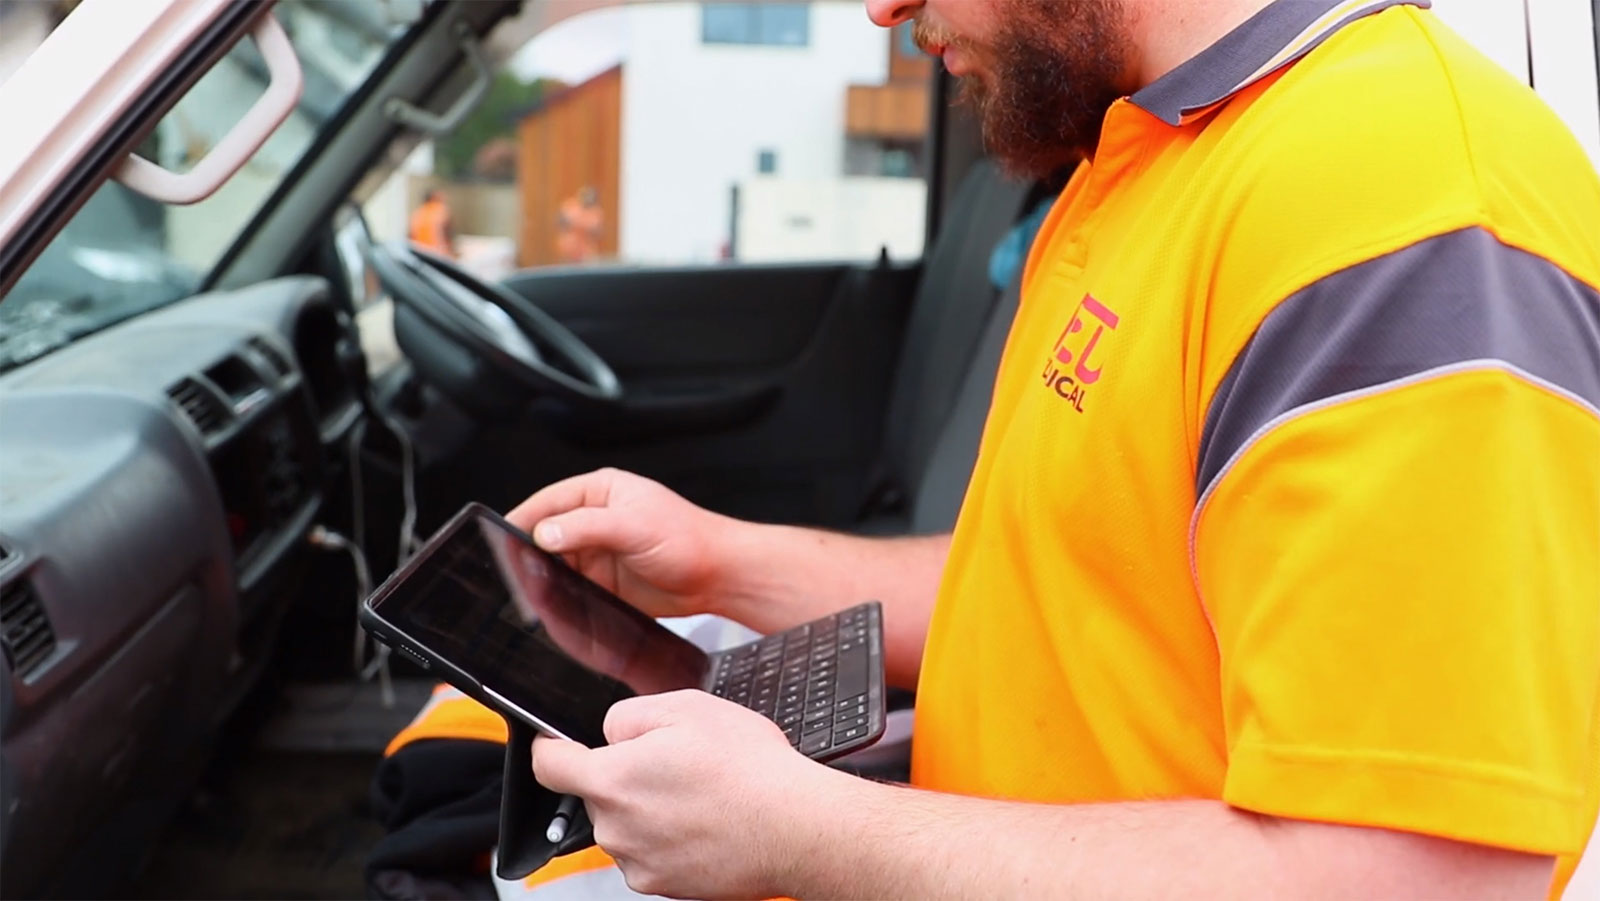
(1043, 88)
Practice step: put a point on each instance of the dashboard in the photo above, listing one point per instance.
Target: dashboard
(157, 481)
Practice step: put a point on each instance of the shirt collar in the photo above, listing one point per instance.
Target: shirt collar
(1271, 39)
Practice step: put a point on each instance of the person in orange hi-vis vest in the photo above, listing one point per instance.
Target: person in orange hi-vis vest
(578, 227)
(431, 226)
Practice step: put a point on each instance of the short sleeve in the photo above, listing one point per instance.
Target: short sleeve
(1398, 545)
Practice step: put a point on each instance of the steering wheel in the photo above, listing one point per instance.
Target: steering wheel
(487, 347)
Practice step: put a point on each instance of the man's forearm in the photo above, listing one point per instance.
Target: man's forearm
(881, 841)
(781, 576)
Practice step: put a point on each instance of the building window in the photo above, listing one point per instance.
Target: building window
(775, 24)
(767, 162)
(898, 163)
(883, 158)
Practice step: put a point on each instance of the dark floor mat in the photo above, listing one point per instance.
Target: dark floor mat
(275, 824)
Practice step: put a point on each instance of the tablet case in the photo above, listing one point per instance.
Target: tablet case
(525, 811)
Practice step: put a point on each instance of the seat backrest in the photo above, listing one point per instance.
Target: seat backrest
(953, 303)
(936, 497)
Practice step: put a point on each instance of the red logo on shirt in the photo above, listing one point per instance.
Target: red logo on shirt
(1073, 366)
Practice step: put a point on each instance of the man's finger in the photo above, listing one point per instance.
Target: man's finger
(591, 488)
(563, 766)
(632, 717)
(590, 528)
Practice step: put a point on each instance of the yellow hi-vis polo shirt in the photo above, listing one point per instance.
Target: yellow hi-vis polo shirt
(1289, 495)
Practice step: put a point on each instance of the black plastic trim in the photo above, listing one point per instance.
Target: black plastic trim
(938, 119)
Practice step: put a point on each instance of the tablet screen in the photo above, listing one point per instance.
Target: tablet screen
(525, 625)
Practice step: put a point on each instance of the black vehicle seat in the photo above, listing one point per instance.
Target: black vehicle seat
(954, 321)
(936, 498)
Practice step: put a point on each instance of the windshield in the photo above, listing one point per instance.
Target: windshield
(123, 253)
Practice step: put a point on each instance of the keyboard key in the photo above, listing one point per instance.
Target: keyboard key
(851, 722)
(824, 703)
(818, 719)
(816, 743)
(852, 675)
(850, 734)
(852, 701)
(792, 718)
(793, 735)
(845, 713)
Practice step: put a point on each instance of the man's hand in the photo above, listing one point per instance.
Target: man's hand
(689, 795)
(669, 557)
(646, 544)
(698, 797)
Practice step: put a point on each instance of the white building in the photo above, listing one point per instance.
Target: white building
(746, 95)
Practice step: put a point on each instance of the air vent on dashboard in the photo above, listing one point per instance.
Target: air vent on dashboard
(273, 356)
(239, 381)
(25, 633)
(207, 411)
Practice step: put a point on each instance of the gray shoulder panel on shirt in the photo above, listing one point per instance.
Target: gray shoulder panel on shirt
(1449, 299)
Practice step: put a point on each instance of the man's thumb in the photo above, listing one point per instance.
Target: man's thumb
(585, 529)
(561, 765)
(632, 717)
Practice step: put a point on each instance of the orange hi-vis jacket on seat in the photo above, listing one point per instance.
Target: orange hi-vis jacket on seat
(1289, 495)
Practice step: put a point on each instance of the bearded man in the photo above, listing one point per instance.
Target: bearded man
(1279, 570)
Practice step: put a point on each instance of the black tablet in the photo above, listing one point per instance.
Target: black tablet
(516, 628)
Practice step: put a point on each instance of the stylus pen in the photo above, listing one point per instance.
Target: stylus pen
(558, 823)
